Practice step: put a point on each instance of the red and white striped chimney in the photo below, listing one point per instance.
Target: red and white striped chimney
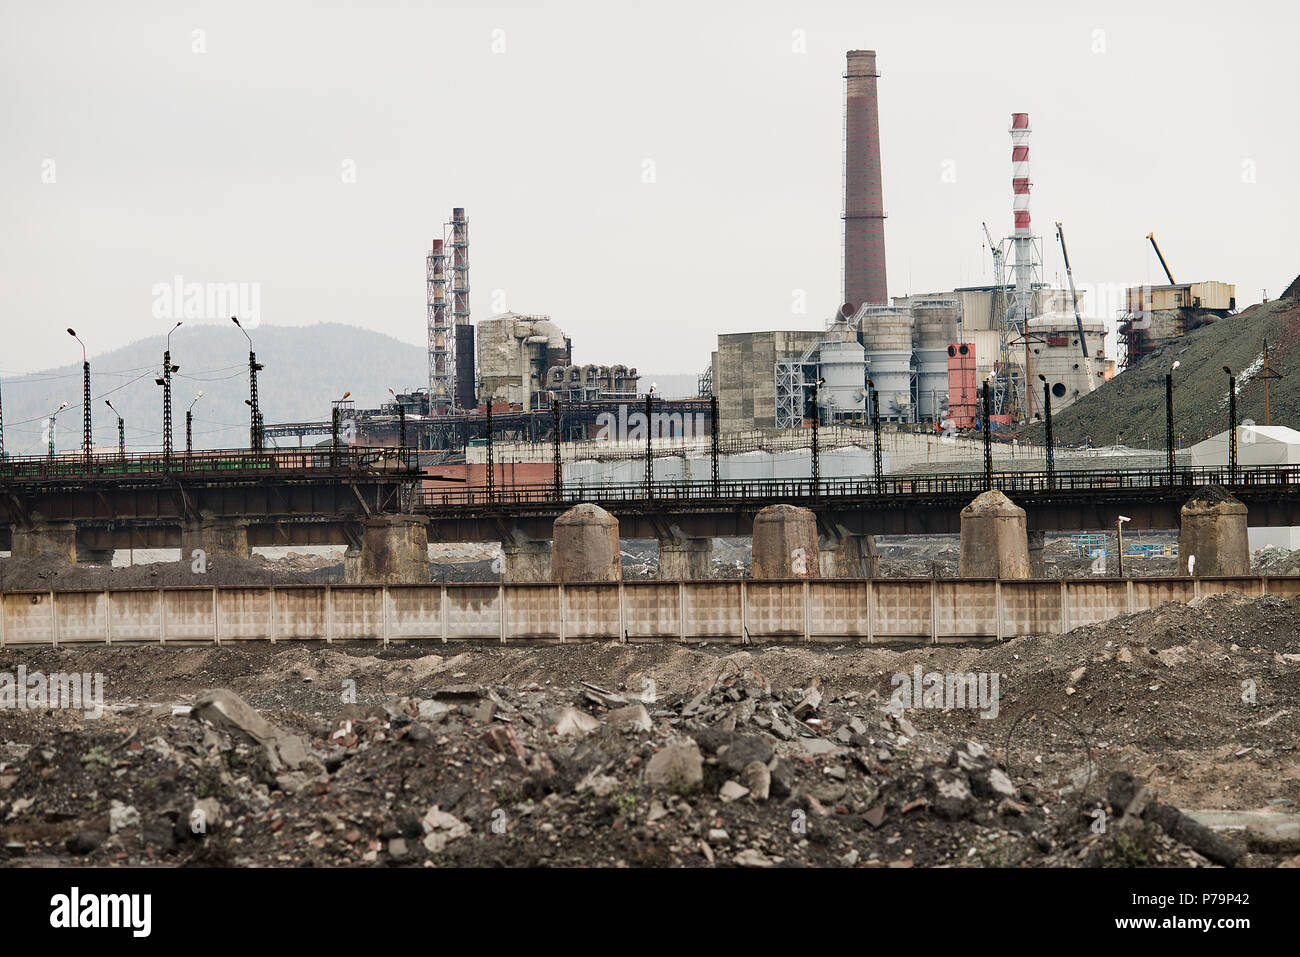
(1020, 171)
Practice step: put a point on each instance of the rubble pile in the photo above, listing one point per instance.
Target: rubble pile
(731, 771)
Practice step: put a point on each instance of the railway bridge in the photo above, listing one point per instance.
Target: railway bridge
(375, 501)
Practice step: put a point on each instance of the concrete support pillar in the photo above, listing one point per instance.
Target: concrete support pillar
(1213, 528)
(394, 550)
(586, 546)
(32, 541)
(215, 537)
(785, 543)
(526, 561)
(850, 556)
(1036, 540)
(352, 564)
(993, 539)
(685, 558)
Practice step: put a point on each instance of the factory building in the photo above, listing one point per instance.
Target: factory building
(1155, 314)
(525, 361)
(1056, 355)
(590, 382)
(744, 375)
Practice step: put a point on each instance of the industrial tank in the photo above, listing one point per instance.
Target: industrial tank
(842, 366)
(935, 325)
(887, 340)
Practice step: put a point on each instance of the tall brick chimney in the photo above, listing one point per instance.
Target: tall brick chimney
(864, 209)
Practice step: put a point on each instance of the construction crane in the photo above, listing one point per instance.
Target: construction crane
(1078, 319)
(996, 250)
(1163, 265)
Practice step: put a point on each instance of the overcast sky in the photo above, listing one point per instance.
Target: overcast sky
(648, 178)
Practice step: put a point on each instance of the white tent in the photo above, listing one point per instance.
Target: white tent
(1256, 445)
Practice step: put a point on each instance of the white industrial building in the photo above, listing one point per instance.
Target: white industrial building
(1256, 445)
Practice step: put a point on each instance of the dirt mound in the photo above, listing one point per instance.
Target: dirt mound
(53, 572)
(1132, 404)
(608, 754)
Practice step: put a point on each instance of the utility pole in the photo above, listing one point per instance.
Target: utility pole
(988, 440)
(165, 380)
(254, 415)
(189, 424)
(121, 430)
(1047, 410)
(713, 440)
(649, 446)
(87, 439)
(1169, 421)
(491, 479)
(1232, 426)
(556, 438)
(875, 418)
(1268, 375)
(816, 466)
(2, 426)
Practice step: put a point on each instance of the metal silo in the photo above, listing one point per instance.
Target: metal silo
(887, 340)
(935, 326)
(843, 366)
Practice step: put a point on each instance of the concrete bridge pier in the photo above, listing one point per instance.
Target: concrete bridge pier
(394, 550)
(1213, 528)
(845, 555)
(586, 546)
(785, 543)
(525, 560)
(682, 557)
(994, 543)
(215, 537)
(1036, 539)
(31, 541)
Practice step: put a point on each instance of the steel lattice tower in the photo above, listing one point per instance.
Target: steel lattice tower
(442, 365)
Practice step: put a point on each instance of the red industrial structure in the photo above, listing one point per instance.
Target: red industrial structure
(963, 389)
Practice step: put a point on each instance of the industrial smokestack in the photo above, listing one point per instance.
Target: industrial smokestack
(864, 208)
(1022, 238)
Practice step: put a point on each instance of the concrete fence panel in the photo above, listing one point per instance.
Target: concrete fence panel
(26, 618)
(358, 613)
(136, 616)
(903, 611)
(839, 609)
(415, 612)
(532, 611)
(473, 611)
(1283, 587)
(591, 610)
(244, 614)
(189, 615)
(81, 616)
(774, 610)
(1030, 608)
(652, 610)
(1088, 602)
(302, 614)
(1151, 592)
(712, 609)
(966, 611)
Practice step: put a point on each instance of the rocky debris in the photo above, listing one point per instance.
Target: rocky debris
(678, 767)
(1132, 802)
(288, 758)
(1273, 837)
